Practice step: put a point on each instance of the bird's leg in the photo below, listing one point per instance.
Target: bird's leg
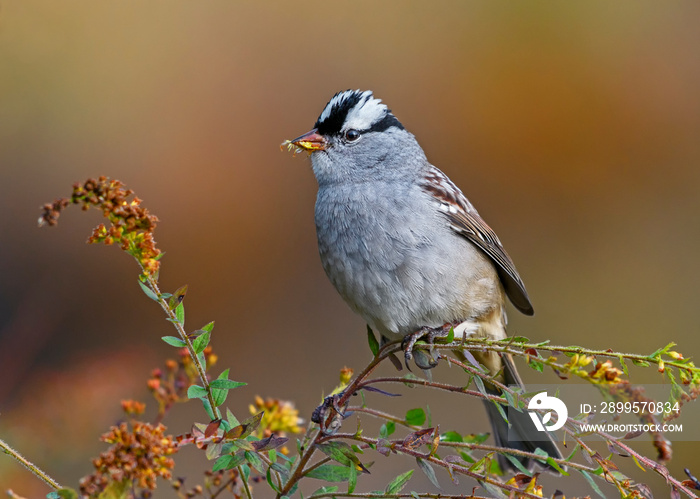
(424, 360)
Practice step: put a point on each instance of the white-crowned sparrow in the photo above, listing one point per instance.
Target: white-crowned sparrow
(403, 246)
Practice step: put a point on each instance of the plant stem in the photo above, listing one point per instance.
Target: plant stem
(29, 465)
(299, 470)
(507, 346)
(246, 487)
(190, 348)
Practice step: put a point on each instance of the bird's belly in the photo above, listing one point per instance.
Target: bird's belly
(400, 279)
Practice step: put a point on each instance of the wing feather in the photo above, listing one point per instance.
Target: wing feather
(465, 220)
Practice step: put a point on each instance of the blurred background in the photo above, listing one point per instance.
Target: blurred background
(572, 126)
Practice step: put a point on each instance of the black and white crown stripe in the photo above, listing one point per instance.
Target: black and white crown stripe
(355, 109)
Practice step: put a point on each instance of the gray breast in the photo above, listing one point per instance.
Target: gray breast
(397, 263)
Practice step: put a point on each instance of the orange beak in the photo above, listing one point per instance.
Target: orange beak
(311, 141)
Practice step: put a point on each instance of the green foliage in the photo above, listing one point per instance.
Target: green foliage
(373, 343)
(398, 483)
(415, 417)
(173, 341)
(251, 450)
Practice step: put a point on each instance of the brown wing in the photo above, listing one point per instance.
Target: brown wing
(473, 227)
(465, 220)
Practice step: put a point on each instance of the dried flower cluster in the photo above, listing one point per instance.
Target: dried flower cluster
(169, 386)
(215, 482)
(133, 407)
(602, 372)
(131, 225)
(527, 484)
(137, 457)
(281, 417)
(605, 372)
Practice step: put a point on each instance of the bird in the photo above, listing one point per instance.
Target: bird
(405, 248)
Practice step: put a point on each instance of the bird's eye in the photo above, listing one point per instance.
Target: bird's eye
(352, 135)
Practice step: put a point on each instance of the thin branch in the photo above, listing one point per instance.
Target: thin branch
(372, 495)
(190, 348)
(5, 447)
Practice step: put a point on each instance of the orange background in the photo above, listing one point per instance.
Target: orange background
(572, 126)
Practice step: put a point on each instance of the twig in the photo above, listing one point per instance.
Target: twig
(153, 284)
(4, 446)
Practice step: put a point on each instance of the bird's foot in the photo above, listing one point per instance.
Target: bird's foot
(424, 359)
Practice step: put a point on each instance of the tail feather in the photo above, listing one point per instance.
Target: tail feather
(520, 425)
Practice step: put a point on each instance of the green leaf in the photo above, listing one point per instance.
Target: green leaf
(324, 490)
(372, 340)
(209, 327)
(246, 471)
(512, 400)
(226, 384)
(390, 427)
(342, 453)
(219, 394)
(479, 384)
(330, 473)
(518, 339)
(493, 491)
(246, 427)
(475, 438)
(398, 483)
(573, 453)
(663, 350)
(232, 420)
(429, 472)
(450, 436)
(180, 314)
(408, 377)
(282, 470)
(173, 341)
(149, 292)
(63, 493)
(213, 451)
(352, 479)
(201, 341)
(196, 392)
(228, 462)
(640, 363)
(551, 462)
(387, 429)
(516, 462)
(383, 432)
(415, 417)
(536, 364)
(177, 297)
(624, 365)
(255, 461)
(270, 482)
(208, 409)
(501, 411)
(592, 483)
(450, 335)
